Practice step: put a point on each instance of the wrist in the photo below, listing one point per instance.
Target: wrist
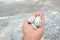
(29, 37)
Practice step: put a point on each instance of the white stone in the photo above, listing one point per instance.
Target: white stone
(38, 21)
(35, 21)
(34, 26)
(31, 19)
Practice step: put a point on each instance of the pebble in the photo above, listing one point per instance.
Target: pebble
(38, 21)
(34, 26)
(31, 19)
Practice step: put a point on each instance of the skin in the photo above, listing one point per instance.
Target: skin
(33, 34)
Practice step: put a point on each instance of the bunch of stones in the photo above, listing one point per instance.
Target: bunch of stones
(35, 21)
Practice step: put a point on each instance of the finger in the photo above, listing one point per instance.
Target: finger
(43, 19)
(38, 13)
(35, 14)
(26, 24)
(40, 29)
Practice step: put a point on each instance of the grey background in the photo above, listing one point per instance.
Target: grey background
(11, 7)
(13, 13)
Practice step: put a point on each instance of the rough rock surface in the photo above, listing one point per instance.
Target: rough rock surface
(11, 27)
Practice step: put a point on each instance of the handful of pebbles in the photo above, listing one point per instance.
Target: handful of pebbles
(35, 21)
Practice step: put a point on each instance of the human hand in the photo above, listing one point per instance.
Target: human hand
(30, 33)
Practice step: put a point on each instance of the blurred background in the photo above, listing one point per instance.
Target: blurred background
(14, 12)
(11, 7)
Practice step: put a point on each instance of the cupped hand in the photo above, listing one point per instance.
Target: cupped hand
(33, 34)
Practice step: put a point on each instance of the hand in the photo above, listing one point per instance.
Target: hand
(30, 33)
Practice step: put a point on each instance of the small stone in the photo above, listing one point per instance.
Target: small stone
(31, 19)
(38, 21)
(34, 26)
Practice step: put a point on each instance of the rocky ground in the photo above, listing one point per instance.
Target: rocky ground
(12, 16)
